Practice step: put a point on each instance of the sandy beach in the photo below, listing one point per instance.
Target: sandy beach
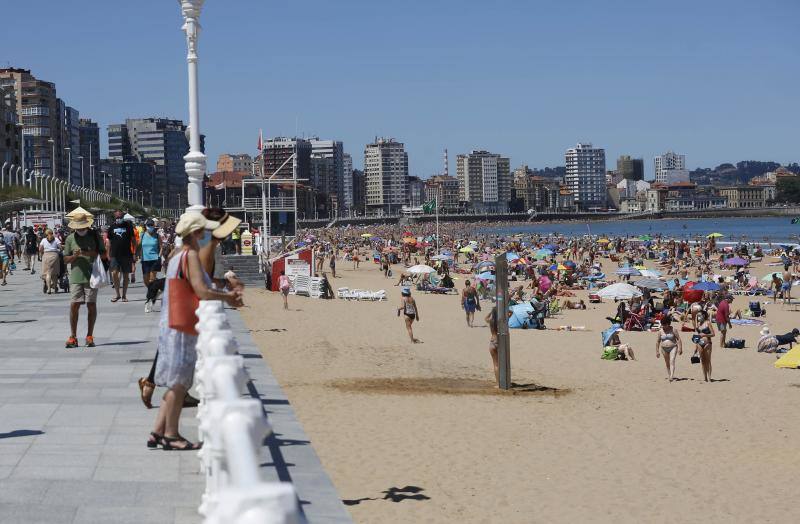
(418, 433)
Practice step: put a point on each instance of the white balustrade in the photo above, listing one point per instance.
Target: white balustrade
(233, 428)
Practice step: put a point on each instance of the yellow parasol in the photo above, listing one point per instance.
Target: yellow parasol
(603, 241)
(715, 235)
(466, 249)
(366, 235)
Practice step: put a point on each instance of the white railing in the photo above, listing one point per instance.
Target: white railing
(233, 429)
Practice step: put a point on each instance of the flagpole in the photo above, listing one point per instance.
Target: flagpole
(438, 187)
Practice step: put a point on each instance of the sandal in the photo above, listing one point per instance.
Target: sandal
(115, 299)
(154, 440)
(146, 396)
(167, 442)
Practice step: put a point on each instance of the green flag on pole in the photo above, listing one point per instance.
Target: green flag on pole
(429, 207)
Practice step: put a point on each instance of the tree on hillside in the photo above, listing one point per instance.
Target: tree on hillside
(788, 190)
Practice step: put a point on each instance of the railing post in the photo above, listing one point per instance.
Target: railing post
(233, 428)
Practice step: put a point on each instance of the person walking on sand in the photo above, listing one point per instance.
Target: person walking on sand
(491, 320)
(284, 285)
(723, 318)
(668, 344)
(704, 340)
(408, 306)
(470, 302)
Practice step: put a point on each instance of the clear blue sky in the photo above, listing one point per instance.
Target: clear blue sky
(716, 80)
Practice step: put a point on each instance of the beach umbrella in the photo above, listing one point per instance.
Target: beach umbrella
(466, 249)
(650, 273)
(366, 235)
(632, 271)
(603, 241)
(441, 257)
(562, 267)
(512, 256)
(551, 247)
(409, 240)
(706, 286)
(484, 264)
(619, 291)
(645, 237)
(608, 333)
(542, 263)
(569, 264)
(447, 253)
(650, 283)
(486, 276)
(420, 269)
(715, 235)
(735, 261)
(519, 315)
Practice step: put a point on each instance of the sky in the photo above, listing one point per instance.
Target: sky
(715, 80)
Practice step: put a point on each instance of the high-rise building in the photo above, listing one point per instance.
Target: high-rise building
(586, 176)
(327, 158)
(630, 168)
(359, 192)
(10, 135)
(89, 133)
(119, 142)
(484, 180)
(122, 177)
(416, 191)
(537, 193)
(71, 144)
(386, 172)
(444, 187)
(278, 150)
(347, 182)
(241, 162)
(666, 162)
(38, 108)
(164, 143)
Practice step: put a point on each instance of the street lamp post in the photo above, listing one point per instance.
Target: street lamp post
(81, 159)
(195, 159)
(69, 164)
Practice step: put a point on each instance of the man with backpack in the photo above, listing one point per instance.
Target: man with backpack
(31, 249)
(122, 241)
(81, 248)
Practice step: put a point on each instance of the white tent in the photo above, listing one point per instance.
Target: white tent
(619, 291)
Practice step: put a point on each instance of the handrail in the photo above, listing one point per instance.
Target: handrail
(232, 428)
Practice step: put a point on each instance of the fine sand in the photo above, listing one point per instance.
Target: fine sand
(418, 433)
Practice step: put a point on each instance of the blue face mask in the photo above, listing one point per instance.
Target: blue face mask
(206, 238)
(151, 229)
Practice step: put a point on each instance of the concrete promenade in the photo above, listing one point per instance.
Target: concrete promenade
(73, 429)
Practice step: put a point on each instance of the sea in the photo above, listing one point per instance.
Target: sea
(762, 230)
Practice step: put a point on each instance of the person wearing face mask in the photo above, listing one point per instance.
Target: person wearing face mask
(176, 348)
(121, 238)
(149, 253)
(81, 248)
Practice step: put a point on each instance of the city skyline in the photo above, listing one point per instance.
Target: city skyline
(691, 84)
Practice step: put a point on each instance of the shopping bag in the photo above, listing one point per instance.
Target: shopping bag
(99, 276)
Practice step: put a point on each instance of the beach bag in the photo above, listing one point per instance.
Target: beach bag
(182, 301)
(99, 278)
(735, 343)
(609, 353)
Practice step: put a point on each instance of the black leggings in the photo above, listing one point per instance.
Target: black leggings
(152, 376)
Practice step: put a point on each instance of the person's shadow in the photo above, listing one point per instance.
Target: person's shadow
(393, 494)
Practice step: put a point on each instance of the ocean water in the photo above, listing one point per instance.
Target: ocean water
(734, 229)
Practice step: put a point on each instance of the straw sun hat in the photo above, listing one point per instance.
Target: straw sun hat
(193, 221)
(81, 221)
(226, 226)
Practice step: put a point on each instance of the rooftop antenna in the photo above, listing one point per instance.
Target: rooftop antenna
(446, 164)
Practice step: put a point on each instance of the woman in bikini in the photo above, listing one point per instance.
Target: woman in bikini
(669, 344)
(408, 307)
(703, 339)
(491, 320)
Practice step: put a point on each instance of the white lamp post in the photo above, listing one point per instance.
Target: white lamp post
(195, 159)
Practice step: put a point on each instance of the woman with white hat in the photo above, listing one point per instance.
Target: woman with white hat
(176, 345)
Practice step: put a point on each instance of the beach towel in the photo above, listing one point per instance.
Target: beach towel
(746, 322)
(790, 360)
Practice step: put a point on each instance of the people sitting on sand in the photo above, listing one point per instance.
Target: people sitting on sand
(569, 304)
(613, 348)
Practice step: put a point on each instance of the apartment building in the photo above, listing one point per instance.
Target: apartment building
(484, 181)
(586, 176)
(386, 176)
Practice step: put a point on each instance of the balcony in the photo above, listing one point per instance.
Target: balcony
(275, 203)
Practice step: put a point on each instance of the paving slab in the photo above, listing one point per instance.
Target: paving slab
(73, 429)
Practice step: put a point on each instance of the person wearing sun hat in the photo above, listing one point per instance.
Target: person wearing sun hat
(81, 248)
(176, 348)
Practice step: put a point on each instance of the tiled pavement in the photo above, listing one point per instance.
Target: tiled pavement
(73, 430)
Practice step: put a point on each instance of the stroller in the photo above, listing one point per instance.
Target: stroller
(63, 274)
(537, 316)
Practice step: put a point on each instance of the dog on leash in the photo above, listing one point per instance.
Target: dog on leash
(153, 289)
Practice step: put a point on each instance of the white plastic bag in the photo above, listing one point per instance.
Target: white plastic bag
(99, 277)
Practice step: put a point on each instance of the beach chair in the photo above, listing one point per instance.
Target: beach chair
(315, 287)
(342, 292)
(302, 285)
(634, 322)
